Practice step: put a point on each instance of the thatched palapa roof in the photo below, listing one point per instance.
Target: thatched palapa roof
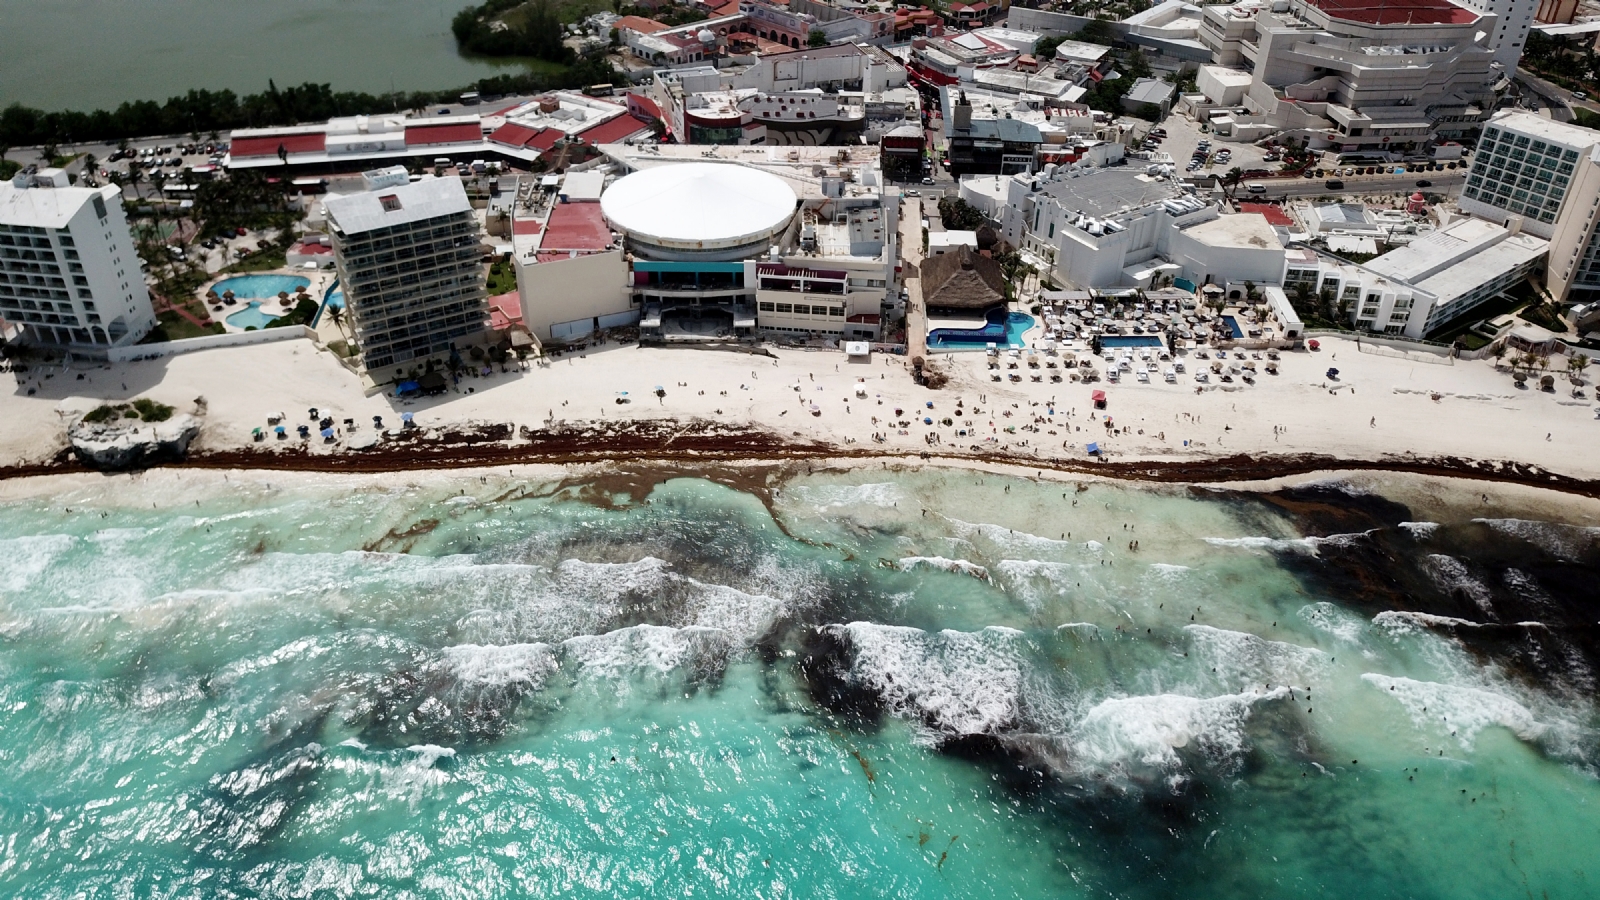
(962, 279)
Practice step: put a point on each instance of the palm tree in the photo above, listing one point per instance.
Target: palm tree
(1499, 353)
(47, 152)
(1576, 365)
(1232, 179)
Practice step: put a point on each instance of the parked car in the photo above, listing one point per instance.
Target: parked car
(1335, 185)
(927, 181)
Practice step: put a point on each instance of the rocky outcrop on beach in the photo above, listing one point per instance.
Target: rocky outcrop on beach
(126, 444)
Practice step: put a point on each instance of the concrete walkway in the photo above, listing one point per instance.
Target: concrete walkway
(910, 257)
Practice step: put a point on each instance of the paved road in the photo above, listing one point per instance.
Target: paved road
(1559, 98)
(1448, 183)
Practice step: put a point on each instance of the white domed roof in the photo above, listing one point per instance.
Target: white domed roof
(707, 36)
(699, 206)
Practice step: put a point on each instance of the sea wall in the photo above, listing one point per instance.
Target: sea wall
(210, 341)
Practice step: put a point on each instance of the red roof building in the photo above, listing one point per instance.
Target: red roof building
(639, 24)
(459, 133)
(307, 142)
(1398, 12)
(610, 132)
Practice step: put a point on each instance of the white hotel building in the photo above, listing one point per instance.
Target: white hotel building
(69, 277)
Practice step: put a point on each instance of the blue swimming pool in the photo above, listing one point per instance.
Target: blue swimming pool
(1131, 340)
(250, 317)
(1003, 330)
(260, 287)
(1233, 326)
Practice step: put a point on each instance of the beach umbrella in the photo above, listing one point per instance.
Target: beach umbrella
(327, 433)
(227, 295)
(406, 417)
(1313, 344)
(927, 420)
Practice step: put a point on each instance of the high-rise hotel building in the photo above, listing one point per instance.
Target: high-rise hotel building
(69, 277)
(409, 260)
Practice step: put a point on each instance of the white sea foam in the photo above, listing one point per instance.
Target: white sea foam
(26, 558)
(1452, 575)
(957, 566)
(1034, 581)
(1400, 621)
(1008, 539)
(647, 650)
(417, 776)
(1458, 710)
(1420, 530)
(1150, 730)
(1568, 542)
(1295, 545)
(1334, 620)
(744, 618)
(954, 682)
(522, 666)
(826, 497)
(1241, 659)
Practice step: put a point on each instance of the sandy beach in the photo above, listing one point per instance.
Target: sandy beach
(1382, 408)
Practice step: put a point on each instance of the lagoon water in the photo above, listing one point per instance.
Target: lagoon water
(938, 684)
(96, 54)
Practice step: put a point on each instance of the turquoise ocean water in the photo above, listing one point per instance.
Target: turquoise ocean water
(938, 684)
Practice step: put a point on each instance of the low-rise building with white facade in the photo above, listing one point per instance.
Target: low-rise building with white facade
(1419, 289)
(1126, 226)
(69, 276)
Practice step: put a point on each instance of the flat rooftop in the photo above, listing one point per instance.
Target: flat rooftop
(1241, 231)
(1535, 125)
(416, 202)
(576, 227)
(1099, 193)
(1397, 12)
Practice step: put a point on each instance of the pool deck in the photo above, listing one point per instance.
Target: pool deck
(270, 306)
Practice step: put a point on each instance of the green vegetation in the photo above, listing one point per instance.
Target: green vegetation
(8, 168)
(502, 277)
(1545, 314)
(958, 215)
(1581, 116)
(535, 30)
(1572, 64)
(816, 39)
(143, 409)
(174, 327)
(302, 314)
(61, 162)
(667, 15)
(204, 111)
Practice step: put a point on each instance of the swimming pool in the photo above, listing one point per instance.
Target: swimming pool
(1008, 334)
(1130, 340)
(260, 287)
(251, 317)
(1233, 326)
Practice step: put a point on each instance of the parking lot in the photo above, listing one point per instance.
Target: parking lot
(1183, 136)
